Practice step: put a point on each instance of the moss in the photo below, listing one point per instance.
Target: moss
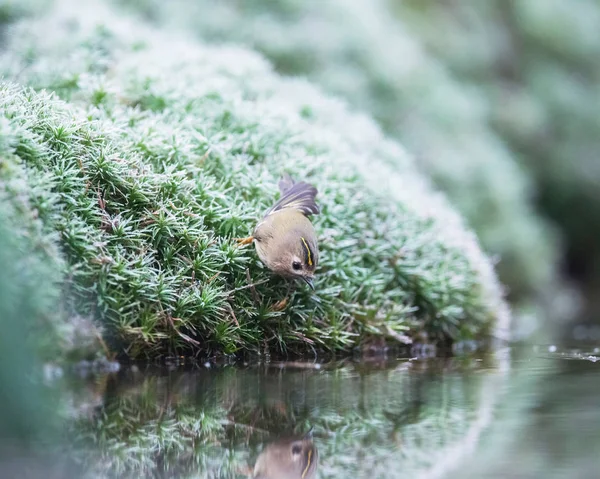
(33, 266)
(29, 294)
(378, 64)
(157, 152)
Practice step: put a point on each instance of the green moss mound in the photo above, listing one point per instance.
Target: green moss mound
(158, 152)
(35, 320)
(362, 53)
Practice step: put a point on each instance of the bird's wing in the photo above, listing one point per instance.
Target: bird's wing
(300, 196)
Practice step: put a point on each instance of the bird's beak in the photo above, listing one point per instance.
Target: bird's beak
(309, 281)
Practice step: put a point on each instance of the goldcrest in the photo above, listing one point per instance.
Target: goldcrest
(285, 239)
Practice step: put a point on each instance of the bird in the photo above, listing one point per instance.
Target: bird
(285, 239)
(288, 458)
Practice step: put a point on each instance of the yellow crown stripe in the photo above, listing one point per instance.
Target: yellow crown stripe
(310, 263)
(307, 464)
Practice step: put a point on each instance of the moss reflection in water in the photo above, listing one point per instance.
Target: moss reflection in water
(368, 419)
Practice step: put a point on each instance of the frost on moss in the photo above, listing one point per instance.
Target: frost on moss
(158, 152)
(360, 51)
(31, 264)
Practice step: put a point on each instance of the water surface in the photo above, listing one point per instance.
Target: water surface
(527, 413)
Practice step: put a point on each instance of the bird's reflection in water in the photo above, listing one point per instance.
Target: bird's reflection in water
(288, 458)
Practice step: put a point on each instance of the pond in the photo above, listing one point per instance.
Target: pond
(527, 412)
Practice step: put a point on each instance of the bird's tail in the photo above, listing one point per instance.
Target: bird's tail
(285, 183)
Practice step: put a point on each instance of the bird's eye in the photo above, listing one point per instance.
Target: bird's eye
(296, 265)
(296, 449)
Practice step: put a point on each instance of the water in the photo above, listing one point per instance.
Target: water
(505, 414)
(548, 422)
